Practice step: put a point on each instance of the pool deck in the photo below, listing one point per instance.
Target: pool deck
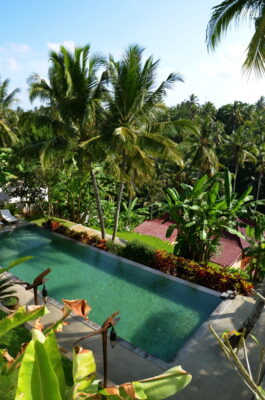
(212, 375)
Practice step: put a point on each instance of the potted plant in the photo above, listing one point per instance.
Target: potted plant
(11, 302)
(7, 293)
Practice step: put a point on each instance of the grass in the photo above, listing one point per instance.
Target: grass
(152, 241)
(39, 220)
(13, 341)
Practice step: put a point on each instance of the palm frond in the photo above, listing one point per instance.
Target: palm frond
(255, 60)
(222, 16)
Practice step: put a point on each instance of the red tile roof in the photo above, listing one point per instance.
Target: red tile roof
(156, 227)
(231, 246)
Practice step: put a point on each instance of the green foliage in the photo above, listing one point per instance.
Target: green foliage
(227, 12)
(6, 289)
(114, 248)
(256, 249)
(84, 237)
(245, 371)
(8, 117)
(22, 315)
(201, 213)
(131, 216)
(10, 301)
(138, 252)
(6, 285)
(41, 374)
(214, 277)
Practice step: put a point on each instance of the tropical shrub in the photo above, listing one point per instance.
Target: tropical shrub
(211, 277)
(84, 237)
(51, 224)
(41, 374)
(201, 213)
(139, 252)
(114, 248)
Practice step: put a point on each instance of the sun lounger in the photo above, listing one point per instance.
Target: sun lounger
(7, 216)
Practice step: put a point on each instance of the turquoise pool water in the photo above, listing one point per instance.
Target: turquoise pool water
(157, 314)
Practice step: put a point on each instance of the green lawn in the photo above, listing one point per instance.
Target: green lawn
(155, 242)
(12, 341)
(39, 220)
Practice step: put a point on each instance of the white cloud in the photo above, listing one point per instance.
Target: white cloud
(13, 64)
(69, 44)
(19, 47)
(226, 63)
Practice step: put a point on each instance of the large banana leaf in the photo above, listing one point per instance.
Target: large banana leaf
(160, 387)
(37, 379)
(54, 355)
(22, 315)
(84, 370)
(14, 263)
(199, 186)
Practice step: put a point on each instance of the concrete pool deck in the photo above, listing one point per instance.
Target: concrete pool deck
(212, 375)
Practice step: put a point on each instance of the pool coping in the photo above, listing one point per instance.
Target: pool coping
(198, 333)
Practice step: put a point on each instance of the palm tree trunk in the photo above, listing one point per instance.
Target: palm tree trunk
(236, 172)
(99, 208)
(258, 189)
(118, 207)
(252, 319)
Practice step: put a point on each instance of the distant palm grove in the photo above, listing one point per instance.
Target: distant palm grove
(101, 146)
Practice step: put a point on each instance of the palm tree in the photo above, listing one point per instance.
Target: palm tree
(134, 106)
(260, 168)
(233, 11)
(8, 117)
(73, 94)
(260, 104)
(201, 147)
(240, 147)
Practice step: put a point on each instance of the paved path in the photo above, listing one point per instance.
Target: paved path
(90, 231)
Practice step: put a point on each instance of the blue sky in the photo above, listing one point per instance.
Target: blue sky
(171, 30)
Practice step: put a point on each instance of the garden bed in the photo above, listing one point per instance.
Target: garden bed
(216, 278)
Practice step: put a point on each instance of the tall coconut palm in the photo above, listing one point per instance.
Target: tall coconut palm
(73, 94)
(201, 147)
(260, 168)
(8, 117)
(260, 104)
(241, 148)
(134, 104)
(230, 11)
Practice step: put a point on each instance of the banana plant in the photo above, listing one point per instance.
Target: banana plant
(256, 249)
(201, 213)
(130, 216)
(41, 374)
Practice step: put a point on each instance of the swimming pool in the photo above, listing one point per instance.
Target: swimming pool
(157, 314)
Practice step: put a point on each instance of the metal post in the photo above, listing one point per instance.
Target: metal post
(105, 356)
(35, 290)
(103, 331)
